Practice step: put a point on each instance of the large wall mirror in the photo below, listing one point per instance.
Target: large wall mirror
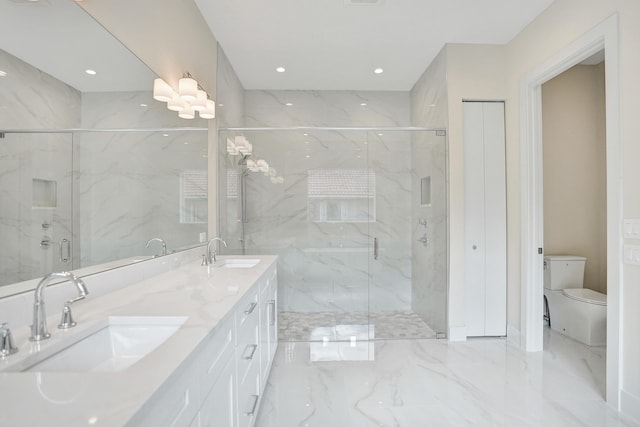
(91, 167)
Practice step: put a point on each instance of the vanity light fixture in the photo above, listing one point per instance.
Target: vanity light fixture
(187, 112)
(162, 91)
(188, 88)
(189, 99)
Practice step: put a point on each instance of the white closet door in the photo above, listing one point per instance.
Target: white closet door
(485, 218)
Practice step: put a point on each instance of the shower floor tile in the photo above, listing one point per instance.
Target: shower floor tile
(341, 326)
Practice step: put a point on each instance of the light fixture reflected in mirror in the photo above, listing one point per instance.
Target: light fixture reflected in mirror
(189, 99)
(240, 145)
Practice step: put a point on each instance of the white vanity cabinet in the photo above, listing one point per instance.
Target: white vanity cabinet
(248, 356)
(236, 359)
(218, 378)
(177, 403)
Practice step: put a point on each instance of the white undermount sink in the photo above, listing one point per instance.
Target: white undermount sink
(121, 342)
(238, 263)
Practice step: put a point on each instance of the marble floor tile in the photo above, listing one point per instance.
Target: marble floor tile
(428, 382)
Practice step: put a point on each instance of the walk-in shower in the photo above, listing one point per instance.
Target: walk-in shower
(358, 218)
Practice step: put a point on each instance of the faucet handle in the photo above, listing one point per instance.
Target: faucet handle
(66, 321)
(6, 341)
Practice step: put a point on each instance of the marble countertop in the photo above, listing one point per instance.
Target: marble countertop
(204, 295)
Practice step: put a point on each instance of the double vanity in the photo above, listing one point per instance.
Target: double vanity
(185, 345)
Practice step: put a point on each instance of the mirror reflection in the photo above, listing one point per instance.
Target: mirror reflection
(92, 168)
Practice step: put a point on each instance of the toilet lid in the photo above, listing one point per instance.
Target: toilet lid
(586, 295)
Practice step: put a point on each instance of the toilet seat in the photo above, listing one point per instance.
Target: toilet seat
(586, 295)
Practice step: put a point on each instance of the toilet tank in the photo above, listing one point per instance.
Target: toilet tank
(563, 271)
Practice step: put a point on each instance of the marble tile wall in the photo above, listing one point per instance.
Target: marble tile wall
(326, 108)
(31, 99)
(129, 182)
(229, 93)
(429, 159)
(129, 192)
(229, 113)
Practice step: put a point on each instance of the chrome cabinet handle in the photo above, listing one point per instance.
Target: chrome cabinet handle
(66, 243)
(251, 407)
(375, 248)
(249, 309)
(251, 350)
(272, 312)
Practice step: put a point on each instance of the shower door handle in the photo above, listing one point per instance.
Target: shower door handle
(65, 243)
(375, 248)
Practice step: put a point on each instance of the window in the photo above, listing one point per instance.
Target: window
(341, 195)
(193, 197)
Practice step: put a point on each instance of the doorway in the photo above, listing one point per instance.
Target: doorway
(602, 37)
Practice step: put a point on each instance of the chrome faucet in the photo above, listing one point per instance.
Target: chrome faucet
(39, 326)
(157, 239)
(210, 257)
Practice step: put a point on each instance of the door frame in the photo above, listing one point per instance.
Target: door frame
(604, 36)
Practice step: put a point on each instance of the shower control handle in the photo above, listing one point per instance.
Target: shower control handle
(375, 248)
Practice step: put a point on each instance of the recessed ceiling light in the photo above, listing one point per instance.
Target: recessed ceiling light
(280, 69)
(305, 134)
(220, 105)
(3, 73)
(90, 72)
(380, 134)
(378, 71)
(288, 104)
(185, 143)
(363, 104)
(308, 156)
(165, 134)
(143, 105)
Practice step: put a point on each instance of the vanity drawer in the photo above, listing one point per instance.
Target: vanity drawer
(218, 348)
(248, 349)
(249, 396)
(247, 311)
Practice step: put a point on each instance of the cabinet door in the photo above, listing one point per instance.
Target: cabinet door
(485, 218)
(219, 407)
(268, 326)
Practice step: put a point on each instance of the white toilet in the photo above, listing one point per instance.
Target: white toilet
(573, 310)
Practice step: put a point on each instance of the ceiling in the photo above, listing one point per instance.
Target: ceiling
(61, 39)
(336, 44)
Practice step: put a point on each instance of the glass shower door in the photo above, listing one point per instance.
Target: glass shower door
(311, 206)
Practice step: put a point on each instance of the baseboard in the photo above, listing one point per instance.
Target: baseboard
(630, 406)
(458, 333)
(513, 335)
